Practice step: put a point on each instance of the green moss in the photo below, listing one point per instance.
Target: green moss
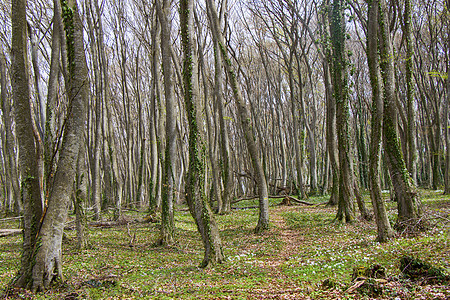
(67, 16)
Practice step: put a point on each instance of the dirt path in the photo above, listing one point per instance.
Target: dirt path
(292, 241)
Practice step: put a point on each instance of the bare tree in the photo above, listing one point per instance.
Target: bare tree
(384, 227)
(245, 119)
(195, 194)
(407, 199)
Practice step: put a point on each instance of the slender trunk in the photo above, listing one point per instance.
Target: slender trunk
(39, 117)
(96, 175)
(407, 199)
(384, 229)
(341, 95)
(227, 170)
(245, 119)
(115, 184)
(211, 139)
(296, 129)
(195, 195)
(80, 197)
(168, 187)
(411, 128)
(50, 123)
(30, 189)
(447, 113)
(153, 116)
(12, 179)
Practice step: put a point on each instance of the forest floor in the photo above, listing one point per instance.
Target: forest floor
(304, 255)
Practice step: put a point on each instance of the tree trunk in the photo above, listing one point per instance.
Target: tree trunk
(341, 94)
(47, 252)
(153, 116)
(227, 170)
(8, 150)
(195, 195)
(407, 199)
(168, 185)
(384, 229)
(31, 193)
(80, 197)
(245, 119)
(95, 172)
(446, 119)
(52, 94)
(411, 129)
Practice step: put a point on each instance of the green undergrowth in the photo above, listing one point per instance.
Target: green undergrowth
(303, 247)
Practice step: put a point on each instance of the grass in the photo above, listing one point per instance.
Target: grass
(302, 248)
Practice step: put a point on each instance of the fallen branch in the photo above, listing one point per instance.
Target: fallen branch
(11, 219)
(244, 208)
(7, 232)
(277, 197)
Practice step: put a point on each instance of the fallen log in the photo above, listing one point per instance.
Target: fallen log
(292, 198)
(8, 232)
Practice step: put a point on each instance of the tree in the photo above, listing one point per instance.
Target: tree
(383, 225)
(195, 194)
(224, 144)
(341, 94)
(31, 195)
(44, 264)
(12, 180)
(407, 199)
(446, 112)
(411, 127)
(245, 119)
(171, 134)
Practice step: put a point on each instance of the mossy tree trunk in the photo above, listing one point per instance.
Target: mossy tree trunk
(195, 194)
(446, 114)
(167, 224)
(407, 199)
(44, 266)
(246, 122)
(411, 126)
(341, 95)
(384, 229)
(330, 104)
(28, 166)
(80, 197)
